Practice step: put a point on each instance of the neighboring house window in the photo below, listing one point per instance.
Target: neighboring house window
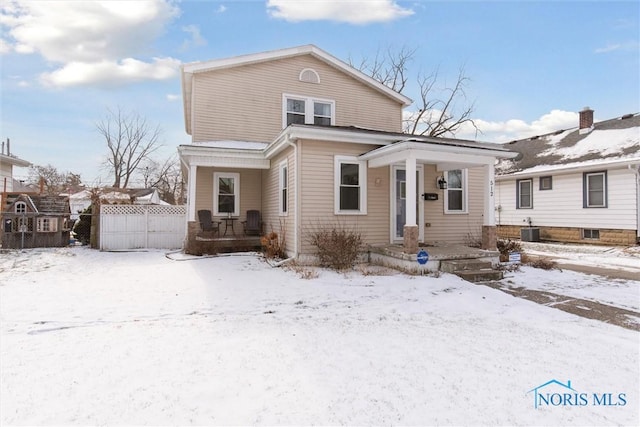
(47, 225)
(546, 183)
(456, 193)
(23, 224)
(592, 234)
(226, 194)
(21, 208)
(284, 188)
(350, 185)
(304, 110)
(524, 194)
(594, 189)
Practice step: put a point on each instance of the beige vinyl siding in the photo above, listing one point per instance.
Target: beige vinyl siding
(250, 191)
(245, 103)
(456, 228)
(562, 205)
(270, 191)
(317, 193)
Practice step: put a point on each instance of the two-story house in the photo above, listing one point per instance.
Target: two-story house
(309, 141)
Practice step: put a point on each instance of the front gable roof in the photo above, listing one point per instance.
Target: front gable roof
(189, 69)
(608, 142)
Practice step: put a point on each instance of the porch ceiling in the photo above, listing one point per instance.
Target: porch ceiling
(444, 156)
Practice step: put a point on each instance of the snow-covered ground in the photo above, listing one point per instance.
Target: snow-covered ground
(89, 337)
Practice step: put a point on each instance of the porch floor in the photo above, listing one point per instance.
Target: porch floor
(232, 242)
(394, 255)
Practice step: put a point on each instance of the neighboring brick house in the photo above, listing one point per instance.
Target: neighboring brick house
(580, 185)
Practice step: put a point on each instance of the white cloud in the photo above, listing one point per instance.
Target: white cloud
(513, 129)
(196, 37)
(87, 35)
(173, 97)
(110, 73)
(630, 46)
(221, 9)
(350, 11)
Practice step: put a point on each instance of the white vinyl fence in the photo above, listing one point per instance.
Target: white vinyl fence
(142, 227)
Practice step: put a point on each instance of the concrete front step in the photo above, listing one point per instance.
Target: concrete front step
(453, 266)
(483, 275)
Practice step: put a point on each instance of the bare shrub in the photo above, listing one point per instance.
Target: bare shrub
(507, 246)
(273, 245)
(337, 247)
(543, 263)
(472, 240)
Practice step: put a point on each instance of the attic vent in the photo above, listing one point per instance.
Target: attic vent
(309, 75)
(626, 116)
(533, 138)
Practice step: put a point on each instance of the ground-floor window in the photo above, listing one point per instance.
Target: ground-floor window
(226, 194)
(47, 224)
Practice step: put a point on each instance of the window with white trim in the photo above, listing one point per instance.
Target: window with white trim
(306, 110)
(455, 196)
(46, 224)
(21, 207)
(524, 194)
(594, 189)
(590, 234)
(350, 181)
(226, 194)
(283, 188)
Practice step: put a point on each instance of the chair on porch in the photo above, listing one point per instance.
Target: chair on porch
(207, 225)
(253, 223)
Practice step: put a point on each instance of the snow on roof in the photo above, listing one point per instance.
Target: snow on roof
(601, 142)
(235, 145)
(608, 141)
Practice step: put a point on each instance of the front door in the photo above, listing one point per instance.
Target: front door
(399, 202)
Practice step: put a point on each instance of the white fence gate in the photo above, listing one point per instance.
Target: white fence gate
(142, 227)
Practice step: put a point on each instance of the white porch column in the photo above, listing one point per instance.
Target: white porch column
(410, 230)
(489, 231)
(191, 194)
(489, 195)
(410, 166)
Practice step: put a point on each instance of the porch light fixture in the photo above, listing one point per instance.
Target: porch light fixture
(442, 184)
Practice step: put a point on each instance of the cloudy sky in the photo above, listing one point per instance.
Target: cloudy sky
(532, 65)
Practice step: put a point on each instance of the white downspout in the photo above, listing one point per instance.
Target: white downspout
(636, 170)
(297, 197)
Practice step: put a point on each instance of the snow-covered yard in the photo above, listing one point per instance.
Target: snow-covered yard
(89, 337)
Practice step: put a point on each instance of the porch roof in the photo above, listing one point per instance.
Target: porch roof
(447, 154)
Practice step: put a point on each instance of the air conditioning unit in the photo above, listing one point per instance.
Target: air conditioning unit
(531, 234)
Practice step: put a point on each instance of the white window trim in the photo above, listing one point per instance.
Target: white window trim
(236, 192)
(362, 179)
(281, 168)
(22, 205)
(465, 195)
(308, 108)
(51, 221)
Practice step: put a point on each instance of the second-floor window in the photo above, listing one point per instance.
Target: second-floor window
(21, 208)
(306, 110)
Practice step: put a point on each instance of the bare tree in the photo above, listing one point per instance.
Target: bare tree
(130, 140)
(166, 177)
(441, 111)
(52, 180)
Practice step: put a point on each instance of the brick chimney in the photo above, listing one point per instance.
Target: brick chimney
(586, 120)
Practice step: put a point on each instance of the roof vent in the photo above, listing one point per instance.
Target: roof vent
(626, 116)
(309, 75)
